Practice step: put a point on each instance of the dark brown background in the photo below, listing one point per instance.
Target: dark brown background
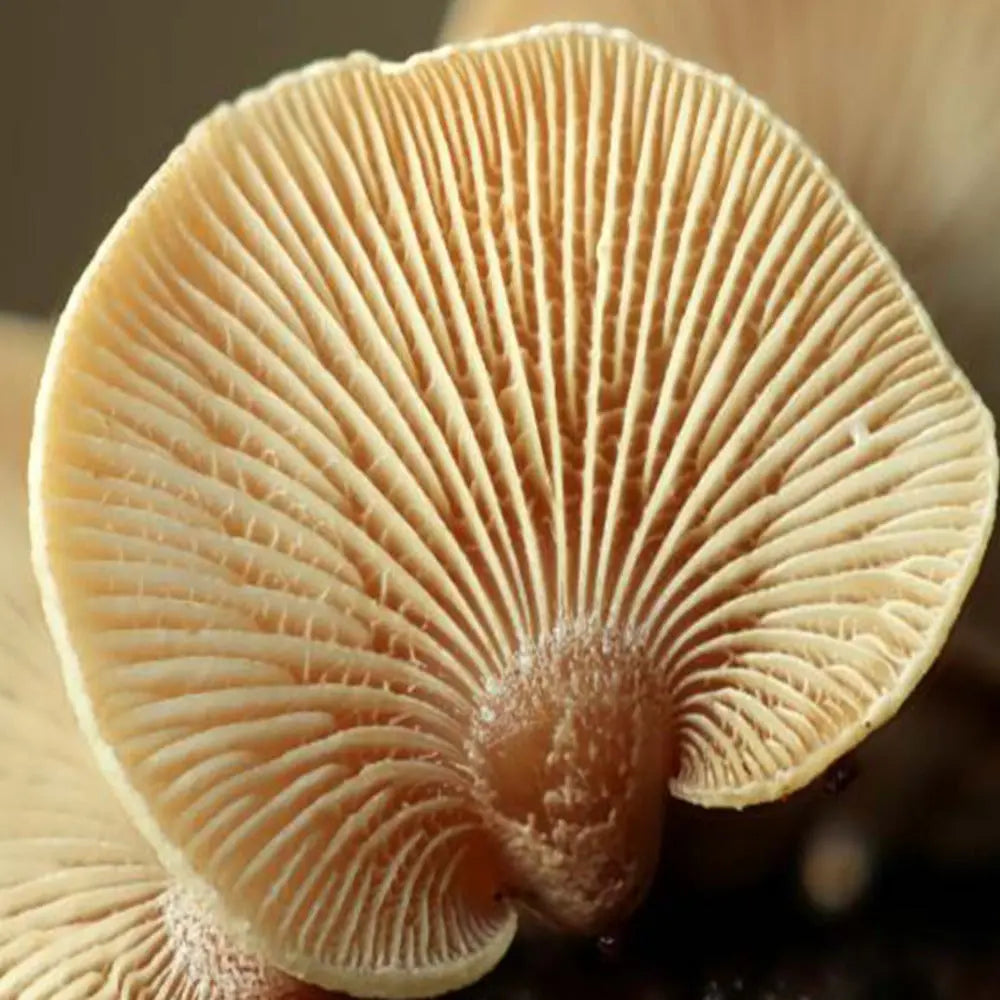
(95, 93)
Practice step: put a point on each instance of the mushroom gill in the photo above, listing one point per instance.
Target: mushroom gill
(86, 910)
(901, 98)
(439, 464)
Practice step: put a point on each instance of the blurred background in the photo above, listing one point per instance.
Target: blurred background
(880, 881)
(95, 93)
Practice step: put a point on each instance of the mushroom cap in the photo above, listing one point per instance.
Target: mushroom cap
(908, 122)
(86, 909)
(404, 394)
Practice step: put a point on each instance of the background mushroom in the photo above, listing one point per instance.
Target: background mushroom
(901, 98)
(86, 910)
(23, 343)
(439, 462)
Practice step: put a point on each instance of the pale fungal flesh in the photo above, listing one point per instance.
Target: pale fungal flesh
(438, 464)
(908, 121)
(86, 910)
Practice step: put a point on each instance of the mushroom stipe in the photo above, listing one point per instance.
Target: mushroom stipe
(440, 465)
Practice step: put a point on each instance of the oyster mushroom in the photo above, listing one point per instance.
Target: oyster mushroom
(923, 175)
(440, 463)
(86, 910)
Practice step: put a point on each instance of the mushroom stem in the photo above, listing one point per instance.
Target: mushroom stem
(570, 756)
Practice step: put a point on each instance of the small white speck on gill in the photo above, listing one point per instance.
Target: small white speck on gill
(858, 429)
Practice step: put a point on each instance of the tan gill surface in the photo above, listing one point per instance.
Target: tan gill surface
(392, 373)
(86, 910)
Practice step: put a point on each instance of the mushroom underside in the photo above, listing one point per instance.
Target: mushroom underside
(551, 378)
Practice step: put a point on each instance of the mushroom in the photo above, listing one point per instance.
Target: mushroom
(86, 910)
(440, 463)
(901, 98)
(23, 343)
